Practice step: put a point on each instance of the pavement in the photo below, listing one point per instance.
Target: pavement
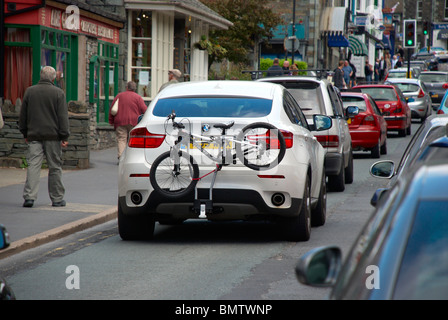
(91, 196)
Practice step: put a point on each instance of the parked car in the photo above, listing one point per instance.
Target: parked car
(317, 96)
(402, 73)
(401, 252)
(392, 104)
(437, 83)
(292, 193)
(417, 96)
(432, 129)
(6, 293)
(442, 62)
(368, 128)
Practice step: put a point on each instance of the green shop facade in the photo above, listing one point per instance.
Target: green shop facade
(83, 47)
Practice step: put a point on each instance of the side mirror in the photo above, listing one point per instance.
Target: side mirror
(322, 122)
(319, 267)
(351, 111)
(383, 169)
(4, 237)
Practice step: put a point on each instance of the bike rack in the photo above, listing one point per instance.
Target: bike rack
(205, 206)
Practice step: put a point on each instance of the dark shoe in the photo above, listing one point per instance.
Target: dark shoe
(28, 203)
(59, 204)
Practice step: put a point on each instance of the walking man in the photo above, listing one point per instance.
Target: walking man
(44, 124)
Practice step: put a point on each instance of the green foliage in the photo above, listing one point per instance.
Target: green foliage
(252, 21)
(233, 72)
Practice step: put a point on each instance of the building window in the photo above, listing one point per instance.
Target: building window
(419, 9)
(141, 51)
(445, 17)
(18, 61)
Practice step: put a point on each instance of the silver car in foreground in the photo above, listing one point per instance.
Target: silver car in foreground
(417, 96)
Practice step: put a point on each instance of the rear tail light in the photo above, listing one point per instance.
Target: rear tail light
(440, 111)
(445, 86)
(142, 138)
(421, 94)
(328, 141)
(272, 141)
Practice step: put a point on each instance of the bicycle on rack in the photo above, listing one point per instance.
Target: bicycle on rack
(175, 173)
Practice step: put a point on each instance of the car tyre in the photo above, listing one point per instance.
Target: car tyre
(349, 170)
(337, 182)
(299, 228)
(375, 152)
(384, 147)
(136, 226)
(319, 213)
(408, 130)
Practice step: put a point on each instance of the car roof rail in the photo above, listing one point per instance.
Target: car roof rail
(320, 73)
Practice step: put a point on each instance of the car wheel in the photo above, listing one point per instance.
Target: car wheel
(299, 227)
(319, 213)
(408, 130)
(337, 182)
(384, 147)
(349, 169)
(402, 133)
(136, 226)
(375, 152)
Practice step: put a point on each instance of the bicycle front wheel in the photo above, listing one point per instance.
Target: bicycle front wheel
(260, 146)
(174, 176)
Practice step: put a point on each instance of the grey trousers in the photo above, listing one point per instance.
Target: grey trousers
(35, 155)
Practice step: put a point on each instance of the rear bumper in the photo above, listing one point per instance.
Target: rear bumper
(228, 204)
(364, 139)
(396, 123)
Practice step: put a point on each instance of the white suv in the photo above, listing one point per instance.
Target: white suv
(292, 193)
(321, 97)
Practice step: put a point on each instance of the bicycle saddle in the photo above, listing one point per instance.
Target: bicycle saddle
(224, 125)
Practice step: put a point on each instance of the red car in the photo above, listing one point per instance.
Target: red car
(392, 104)
(368, 128)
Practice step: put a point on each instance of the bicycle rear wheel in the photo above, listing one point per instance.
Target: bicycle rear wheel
(260, 146)
(174, 176)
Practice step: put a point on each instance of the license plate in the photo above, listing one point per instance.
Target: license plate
(349, 120)
(207, 145)
(435, 96)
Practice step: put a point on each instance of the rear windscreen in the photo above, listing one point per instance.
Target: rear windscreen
(354, 101)
(381, 94)
(407, 87)
(231, 107)
(427, 77)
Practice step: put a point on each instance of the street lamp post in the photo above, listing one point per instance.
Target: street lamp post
(293, 30)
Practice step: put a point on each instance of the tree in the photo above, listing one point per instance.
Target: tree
(252, 22)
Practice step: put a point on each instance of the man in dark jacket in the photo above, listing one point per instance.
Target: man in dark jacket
(338, 77)
(44, 124)
(275, 70)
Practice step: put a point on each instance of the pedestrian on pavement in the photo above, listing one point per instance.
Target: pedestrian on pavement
(394, 61)
(173, 77)
(130, 107)
(44, 123)
(382, 69)
(338, 77)
(348, 71)
(368, 71)
(353, 76)
(275, 70)
(376, 70)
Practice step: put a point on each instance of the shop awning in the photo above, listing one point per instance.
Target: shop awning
(357, 47)
(443, 34)
(337, 40)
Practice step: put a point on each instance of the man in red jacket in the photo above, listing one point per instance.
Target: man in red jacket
(130, 107)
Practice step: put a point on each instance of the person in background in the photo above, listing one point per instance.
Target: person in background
(286, 68)
(130, 107)
(347, 73)
(338, 77)
(44, 123)
(353, 75)
(376, 70)
(394, 61)
(368, 71)
(275, 70)
(173, 77)
(382, 69)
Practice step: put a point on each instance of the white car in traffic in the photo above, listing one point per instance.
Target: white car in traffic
(292, 192)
